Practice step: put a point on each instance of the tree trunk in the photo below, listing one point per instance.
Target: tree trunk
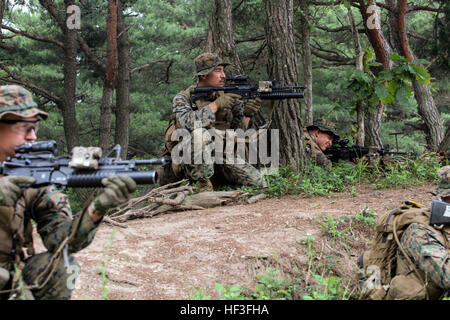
(70, 77)
(426, 107)
(444, 147)
(429, 113)
(2, 11)
(307, 62)
(123, 84)
(108, 87)
(373, 127)
(382, 51)
(222, 35)
(359, 56)
(282, 66)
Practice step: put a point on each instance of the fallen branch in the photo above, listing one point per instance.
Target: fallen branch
(171, 198)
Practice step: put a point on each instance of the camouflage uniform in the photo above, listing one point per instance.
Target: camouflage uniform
(50, 210)
(417, 267)
(312, 150)
(429, 248)
(187, 113)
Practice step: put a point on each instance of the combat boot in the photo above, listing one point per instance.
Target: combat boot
(205, 185)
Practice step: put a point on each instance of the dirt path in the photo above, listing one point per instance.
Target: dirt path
(167, 256)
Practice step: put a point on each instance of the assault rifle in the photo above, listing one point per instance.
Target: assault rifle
(265, 90)
(341, 151)
(86, 168)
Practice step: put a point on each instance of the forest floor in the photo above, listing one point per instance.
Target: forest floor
(168, 256)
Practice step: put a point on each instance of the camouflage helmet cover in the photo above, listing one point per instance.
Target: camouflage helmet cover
(206, 62)
(18, 101)
(325, 126)
(444, 182)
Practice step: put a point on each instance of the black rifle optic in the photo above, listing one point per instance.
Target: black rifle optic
(266, 90)
(341, 151)
(38, 160)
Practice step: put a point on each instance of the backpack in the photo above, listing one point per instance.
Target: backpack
(379, 265)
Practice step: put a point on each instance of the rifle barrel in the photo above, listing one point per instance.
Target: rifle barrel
(92, 179)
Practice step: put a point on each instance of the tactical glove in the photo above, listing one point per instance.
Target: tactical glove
(226, 101)
(117, 191)
(10, 189)
(252, 106)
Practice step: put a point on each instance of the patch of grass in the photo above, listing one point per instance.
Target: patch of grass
(230, 292)
(326, 288)
(331, 227)
(367, 216)
(312, 180)
(199, 294)
(270, 286)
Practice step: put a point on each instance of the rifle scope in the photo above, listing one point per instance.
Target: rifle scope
(44, 146)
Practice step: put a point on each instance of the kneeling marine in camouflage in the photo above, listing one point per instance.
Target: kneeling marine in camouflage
(218, 112)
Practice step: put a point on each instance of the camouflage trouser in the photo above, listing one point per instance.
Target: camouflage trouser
(237, 172)
(61, 283)
(429, 254)
(240, 174)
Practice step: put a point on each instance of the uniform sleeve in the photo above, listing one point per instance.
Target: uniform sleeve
(53, 215)
(428, 253)
(186, 116)
(238, 116)
(320, 158)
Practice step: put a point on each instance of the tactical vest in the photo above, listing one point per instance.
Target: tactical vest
(388, 273)
(222, 122)
(16, 231)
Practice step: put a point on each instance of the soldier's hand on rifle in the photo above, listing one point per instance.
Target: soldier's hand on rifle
(252, 106)
(226, 101)
(118, 190)
(10, 189)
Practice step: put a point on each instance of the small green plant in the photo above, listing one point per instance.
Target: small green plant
(271, 287)
(326, 288)
(230, 292)
(103, 269)
(330, 225)
(199, 294)
(367, 216)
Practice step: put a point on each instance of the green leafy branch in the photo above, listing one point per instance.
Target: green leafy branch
(388, 85)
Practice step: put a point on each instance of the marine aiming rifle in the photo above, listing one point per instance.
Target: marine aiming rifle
(341, 151)
(86, 168)
(265, 90)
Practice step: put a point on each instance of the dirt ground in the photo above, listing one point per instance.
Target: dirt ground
(167, 256)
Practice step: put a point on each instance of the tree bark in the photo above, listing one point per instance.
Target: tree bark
(359, 56)
(382, 50)
(444, 147)
(70, 79)
(282, 66)
(222, 35)
(426, 107)
(307, 62)
(123, 84)
(108, 86)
